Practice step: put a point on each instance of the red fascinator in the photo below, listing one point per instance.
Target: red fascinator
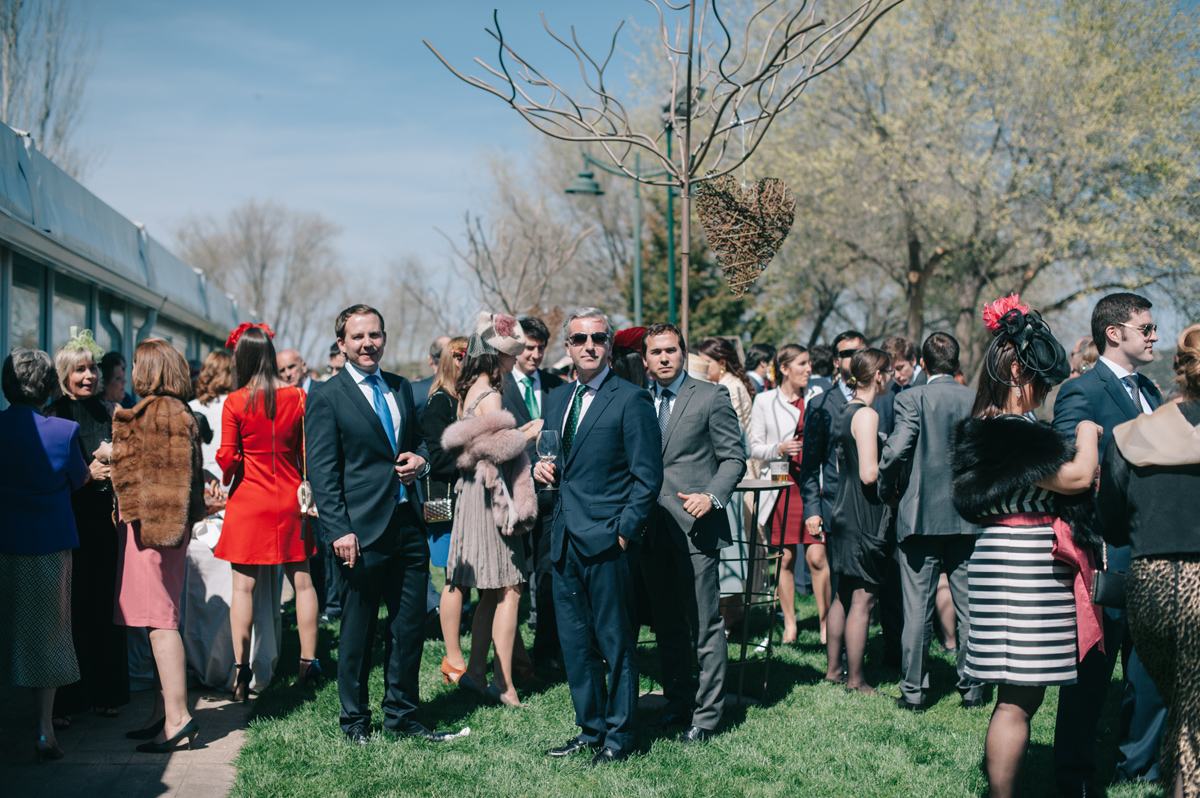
(231, 341)
(630, 337)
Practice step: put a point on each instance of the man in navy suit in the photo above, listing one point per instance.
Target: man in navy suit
(1110, 394)
(611, 472)
(365, 453)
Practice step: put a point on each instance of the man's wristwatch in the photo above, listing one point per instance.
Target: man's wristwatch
(716, 503)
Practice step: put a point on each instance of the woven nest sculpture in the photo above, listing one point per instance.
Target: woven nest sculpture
(745, 225)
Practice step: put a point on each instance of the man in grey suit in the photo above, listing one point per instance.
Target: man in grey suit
(932, 536)
(703, 461)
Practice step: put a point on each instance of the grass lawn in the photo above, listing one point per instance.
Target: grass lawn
(805, 738)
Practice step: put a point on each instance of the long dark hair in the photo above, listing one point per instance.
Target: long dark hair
(721, 349)
(472, 367)
(992, 392)
(254, 362)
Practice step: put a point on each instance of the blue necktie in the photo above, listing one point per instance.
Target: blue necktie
(385, 418)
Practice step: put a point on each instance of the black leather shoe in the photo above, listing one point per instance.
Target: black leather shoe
(909, 705)
(694, 734)
(570, 747)
(358, 734)
(972, 703)
(421, 733)
(606, 755)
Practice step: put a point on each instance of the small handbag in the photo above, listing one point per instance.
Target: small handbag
(304, 493)
(438, 510)
(1108, 587)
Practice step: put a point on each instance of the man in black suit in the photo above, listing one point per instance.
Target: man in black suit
(1109, 394)
(365, 453)
(611, 471)
(526, 390)
(703, 461)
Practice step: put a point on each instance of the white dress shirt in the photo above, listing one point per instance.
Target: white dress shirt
(593, 385)
(364, 385)
(1122, 373)
(673, 388)
(536, 379)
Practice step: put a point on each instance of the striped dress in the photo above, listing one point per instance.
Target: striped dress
(1022, 606)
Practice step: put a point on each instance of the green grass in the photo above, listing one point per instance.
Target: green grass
(805, 738)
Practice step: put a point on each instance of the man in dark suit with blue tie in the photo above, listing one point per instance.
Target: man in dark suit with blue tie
(1109, 394)
(611, 472)
(526, 390)
(365, 453)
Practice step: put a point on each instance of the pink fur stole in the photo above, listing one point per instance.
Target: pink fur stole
(493, 447)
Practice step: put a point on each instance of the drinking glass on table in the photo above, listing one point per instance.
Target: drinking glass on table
(549, 446)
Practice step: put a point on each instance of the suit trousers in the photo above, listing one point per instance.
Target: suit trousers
(593, 596)
(395, 570)
(685, 599)
(891, 601)
(1142, 717)
(922, 558)
(541, 593)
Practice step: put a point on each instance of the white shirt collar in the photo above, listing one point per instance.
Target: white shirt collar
(359, 375)
(933, 377)
(535, 377)
(1120, 371)
(595, 382)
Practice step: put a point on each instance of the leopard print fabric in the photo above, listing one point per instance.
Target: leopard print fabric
(1164, 619)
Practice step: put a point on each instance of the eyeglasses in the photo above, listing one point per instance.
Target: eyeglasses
(846, 352)
(1146, 329)
(580, 339)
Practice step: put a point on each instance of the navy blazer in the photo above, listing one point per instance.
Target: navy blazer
(350, 461)
(1097, 395)
(609, 482)
(43, 463)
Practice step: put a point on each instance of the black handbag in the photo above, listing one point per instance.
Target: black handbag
(1108, 587)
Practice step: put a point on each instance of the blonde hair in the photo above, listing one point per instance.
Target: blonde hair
(216, 376)
(66, 360)
(1089, 354)
(159, 370)
(1187, 362)
(448, 367)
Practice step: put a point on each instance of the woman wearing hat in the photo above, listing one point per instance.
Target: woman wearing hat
(1028, 486)
(496, 503)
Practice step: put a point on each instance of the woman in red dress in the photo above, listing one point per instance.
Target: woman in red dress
(262, 444)
(776, 433)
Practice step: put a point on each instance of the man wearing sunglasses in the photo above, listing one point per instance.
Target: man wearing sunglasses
(1110, 394)
(608, 476)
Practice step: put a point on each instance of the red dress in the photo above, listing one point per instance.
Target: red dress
(262, 518)
(794, 533)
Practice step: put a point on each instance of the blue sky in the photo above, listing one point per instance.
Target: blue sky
(329, 107)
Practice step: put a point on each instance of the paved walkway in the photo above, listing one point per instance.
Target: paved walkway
(101, 762)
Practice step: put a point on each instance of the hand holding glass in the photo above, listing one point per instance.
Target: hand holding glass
(549, 446)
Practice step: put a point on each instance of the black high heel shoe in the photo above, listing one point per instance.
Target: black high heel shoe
(189, 731)
(43, 749)
(310, 673)
(148, 733)
(241, 689)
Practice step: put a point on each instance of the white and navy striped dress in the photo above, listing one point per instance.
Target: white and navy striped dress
(1022, 604)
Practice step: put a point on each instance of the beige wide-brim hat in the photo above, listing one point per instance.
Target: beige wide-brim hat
(499, 332)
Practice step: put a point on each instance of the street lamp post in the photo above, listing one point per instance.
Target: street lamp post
(586, 185)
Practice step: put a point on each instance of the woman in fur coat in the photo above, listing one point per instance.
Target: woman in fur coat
(1028, 486)
(159, 482)
(496, 504)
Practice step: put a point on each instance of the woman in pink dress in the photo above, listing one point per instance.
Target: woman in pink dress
(159, 483)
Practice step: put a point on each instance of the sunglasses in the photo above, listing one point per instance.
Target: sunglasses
(598, 338)
(1146, 329)
(846, 352)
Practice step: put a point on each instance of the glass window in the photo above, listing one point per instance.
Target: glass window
(110, 327)
(28, 283)
(173, 332)
(71, 299)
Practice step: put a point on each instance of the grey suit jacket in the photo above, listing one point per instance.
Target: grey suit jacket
(925, 417)
(702, 452)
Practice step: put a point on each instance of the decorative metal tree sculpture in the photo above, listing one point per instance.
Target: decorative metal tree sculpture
(718, 87)
(745, 226)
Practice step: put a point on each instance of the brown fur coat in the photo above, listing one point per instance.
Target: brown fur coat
(157, 470)
(493, 447)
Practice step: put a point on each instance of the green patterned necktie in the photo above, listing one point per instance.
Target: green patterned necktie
(530, 399)
(573, 419)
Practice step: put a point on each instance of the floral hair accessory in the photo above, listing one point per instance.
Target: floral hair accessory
(235, 336)
(496, 332)
(996, 311)
(84, 341)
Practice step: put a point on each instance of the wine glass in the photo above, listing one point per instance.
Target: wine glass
(549, 445)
